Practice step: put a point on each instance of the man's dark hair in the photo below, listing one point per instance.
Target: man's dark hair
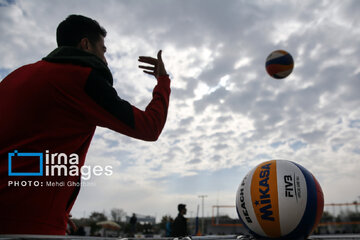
(76, 27)
(181, 207)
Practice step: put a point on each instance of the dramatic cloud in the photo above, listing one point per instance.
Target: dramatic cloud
(226, 114)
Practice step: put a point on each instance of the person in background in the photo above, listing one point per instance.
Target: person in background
(180, 228)
(133, 221)
(168, 226)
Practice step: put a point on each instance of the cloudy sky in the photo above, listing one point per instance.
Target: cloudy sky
(226, 114)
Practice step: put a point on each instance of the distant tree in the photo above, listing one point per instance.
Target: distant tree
(117, 214)
(327, 217)
(356, 206)
(94, 218)
(354, 217)
(97, 217)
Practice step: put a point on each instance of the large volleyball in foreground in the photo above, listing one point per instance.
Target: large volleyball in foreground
(280, 199)
(279, 64)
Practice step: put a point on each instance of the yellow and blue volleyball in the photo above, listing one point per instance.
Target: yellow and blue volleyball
(279, 64)
(280, 199)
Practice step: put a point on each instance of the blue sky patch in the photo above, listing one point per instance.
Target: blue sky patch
(297, 145)
(354, 124)
(276, 144)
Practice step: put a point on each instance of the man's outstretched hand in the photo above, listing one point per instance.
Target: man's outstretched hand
(157, 69)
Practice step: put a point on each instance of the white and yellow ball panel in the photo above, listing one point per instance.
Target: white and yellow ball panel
(292, 194)
(244, 206)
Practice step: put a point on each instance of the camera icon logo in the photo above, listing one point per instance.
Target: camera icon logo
(23, 156)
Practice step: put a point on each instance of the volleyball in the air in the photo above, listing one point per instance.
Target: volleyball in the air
(279, 64)
(279, 199)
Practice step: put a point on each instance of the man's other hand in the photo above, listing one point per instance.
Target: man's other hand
(157, 69)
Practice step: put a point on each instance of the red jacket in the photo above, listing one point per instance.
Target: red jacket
(55, 104)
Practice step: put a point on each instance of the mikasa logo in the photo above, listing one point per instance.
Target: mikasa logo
(265, 198)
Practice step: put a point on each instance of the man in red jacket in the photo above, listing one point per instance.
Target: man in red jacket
(51, 108)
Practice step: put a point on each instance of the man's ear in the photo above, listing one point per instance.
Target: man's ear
(84, 44)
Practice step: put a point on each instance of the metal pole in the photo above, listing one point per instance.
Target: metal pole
(202, 221)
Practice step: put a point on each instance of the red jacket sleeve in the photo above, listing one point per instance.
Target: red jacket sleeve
(149, 123)
(119, 115)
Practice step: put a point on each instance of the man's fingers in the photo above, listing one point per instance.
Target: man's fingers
(157, 69)
(159, 55)
(150, 73)
(147, 68)
(149, 60)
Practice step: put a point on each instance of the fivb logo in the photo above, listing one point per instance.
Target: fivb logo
(56, 164)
